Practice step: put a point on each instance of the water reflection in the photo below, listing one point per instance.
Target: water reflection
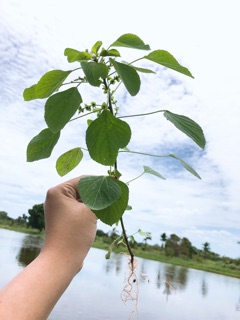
(165, 291)
(30, 248)
(204, 288)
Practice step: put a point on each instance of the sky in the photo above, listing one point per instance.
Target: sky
(202, 36)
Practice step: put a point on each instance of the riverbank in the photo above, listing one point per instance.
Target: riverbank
(154, 253)
(219, 267)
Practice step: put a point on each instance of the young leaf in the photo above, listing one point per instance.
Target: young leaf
(49, 83)
(129, 76)
(153, 172)
(68, 161)
(187, 126)
(94, 71)
(186, 166)
(114, 212)
(60, 107)
(99, 192)
(145, 234)
(105, 136)
(132, 239)
(167, 60)
(75, 55)
(108, 254)
(41, 145)
(110, 53)
(96, 47)
(130, 41)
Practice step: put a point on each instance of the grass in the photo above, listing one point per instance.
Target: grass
(21, 229)
(151, 253)
(219, 267)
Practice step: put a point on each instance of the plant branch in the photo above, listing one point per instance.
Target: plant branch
(142, 114)
(135, 178)
(84, 115)
(145, 154)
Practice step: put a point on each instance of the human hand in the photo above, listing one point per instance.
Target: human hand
(70, 232)
(70, 226)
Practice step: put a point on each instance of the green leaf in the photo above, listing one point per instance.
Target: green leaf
(132, 239)
(68, 161)
(41, 145)
(145, 234)
(94, 71)
(153, 172)
(49, 83)
(144, 70)
(96, 47)
(130, 40)
(129, 76)
(110, 53)
(129, 207)
(186, 166)
(114, 212)
(75, 55)
(167, 60)
(187, 126)
(108, 254)
(105, 136)
(60, 107)
(99, 192)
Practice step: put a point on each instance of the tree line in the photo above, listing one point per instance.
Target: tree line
(34, 219)
(170, 245)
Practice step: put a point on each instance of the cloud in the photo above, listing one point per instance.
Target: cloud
(33, 40)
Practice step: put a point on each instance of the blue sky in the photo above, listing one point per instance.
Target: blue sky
(203, 37)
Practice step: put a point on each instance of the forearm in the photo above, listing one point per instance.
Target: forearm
(35, 291)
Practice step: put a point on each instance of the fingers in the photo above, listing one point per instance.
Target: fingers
(69, 188)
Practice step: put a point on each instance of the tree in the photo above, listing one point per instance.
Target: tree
(36, 217)
(3, 215)
(206, 246)
(163, 238)
(172, 245)
(22, 220)
(186, 248)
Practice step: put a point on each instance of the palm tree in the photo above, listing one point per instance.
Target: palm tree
(163, 238)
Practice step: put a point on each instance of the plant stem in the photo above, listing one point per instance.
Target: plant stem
(127, 243)
(115, 167)
(141, 114)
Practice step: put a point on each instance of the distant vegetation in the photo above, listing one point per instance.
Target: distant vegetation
(171, 249)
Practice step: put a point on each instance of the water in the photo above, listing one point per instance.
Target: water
(164, 291)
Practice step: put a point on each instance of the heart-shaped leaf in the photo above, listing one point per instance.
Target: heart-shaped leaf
(99, 192)
(114, 212)
(105, 136)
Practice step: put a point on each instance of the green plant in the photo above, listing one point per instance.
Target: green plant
(107, 135)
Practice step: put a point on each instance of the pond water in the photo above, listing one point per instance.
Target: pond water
(159, 290)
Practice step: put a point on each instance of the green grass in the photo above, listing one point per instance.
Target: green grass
(218, 267)
(150, 253)
(22, 229)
